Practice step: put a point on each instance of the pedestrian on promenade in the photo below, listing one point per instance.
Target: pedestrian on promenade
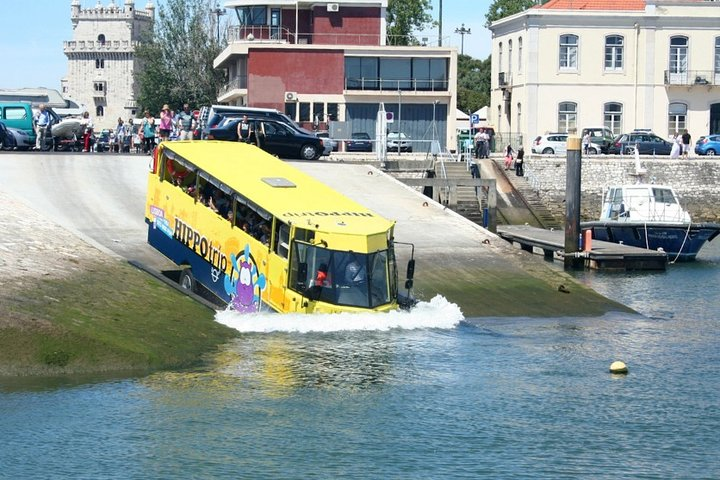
(120, 130)
(685, 144)
(586, 143)
(148, 130)
(87, 124)
(166, 122)
(676, 145)
(508, 156)
(245, 131)
(186, 123)
(42, 123)
(519, 162)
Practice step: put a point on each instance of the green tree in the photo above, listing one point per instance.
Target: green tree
(176, 61)
(406, 16)
(473, 86)
(503, 8)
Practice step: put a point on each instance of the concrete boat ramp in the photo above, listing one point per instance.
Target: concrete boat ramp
(101, 198)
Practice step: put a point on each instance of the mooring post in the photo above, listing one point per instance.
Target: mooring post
(572, 204)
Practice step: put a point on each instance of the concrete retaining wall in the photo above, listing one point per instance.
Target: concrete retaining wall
(695, 181)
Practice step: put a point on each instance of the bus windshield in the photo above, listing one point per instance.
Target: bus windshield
(341, 277)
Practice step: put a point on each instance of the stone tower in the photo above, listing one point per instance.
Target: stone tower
(101, 58)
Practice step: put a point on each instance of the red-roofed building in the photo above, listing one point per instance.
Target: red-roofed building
(623, 64)
(334, 62)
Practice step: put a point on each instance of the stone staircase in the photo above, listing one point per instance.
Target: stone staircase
(467, 201)
(529, 196)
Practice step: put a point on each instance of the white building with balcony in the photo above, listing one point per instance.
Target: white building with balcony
(333, 62)
(624, 64)
(101, 59)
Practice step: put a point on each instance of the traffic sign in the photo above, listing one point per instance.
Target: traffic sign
(474, 118)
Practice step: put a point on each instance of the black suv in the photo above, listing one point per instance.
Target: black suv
(274, 137)
(647, 143)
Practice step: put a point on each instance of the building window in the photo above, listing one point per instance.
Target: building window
(101, 39)
(395, 73)
(252, 15)
(568, 52)
(612, 113)
(332, 112)
(291, 110)
(99, 111)
(613, 52)
(99, 63)
(99, 86)
(567, 117)
(678, 59)
(520, 55)
(500, 59)
(366, 73)
(518, 124)
(717, 60)
(304, 112)
(361, 73)
(677, 118)
(510, 60)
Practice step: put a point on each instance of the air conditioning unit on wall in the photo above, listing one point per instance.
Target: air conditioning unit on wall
(290, 96)
(333, 7)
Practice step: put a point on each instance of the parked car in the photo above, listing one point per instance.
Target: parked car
(709, 145)
(646, 143)
(7, 141)
(556, 144)
(102, 142)
(398, 142)
(329, 143)
(601, 136)
(22, 139)
(276, 138)
(360, 143)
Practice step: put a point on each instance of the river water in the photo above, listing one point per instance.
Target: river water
(424, 395)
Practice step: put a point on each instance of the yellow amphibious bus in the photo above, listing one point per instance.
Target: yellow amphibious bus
(259, 233)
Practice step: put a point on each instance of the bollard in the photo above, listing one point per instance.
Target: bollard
(587, 240)
(572, 203)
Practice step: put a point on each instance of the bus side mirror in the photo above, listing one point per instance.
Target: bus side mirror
(408, 284)
(410, 269)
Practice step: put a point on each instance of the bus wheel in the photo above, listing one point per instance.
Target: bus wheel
(187, 281)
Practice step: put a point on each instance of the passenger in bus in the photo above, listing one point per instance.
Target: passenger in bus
(265, 233)
(219, 203)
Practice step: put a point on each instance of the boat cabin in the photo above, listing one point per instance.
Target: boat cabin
(643, 203)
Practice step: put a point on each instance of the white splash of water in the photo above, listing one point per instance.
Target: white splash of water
(437, 313)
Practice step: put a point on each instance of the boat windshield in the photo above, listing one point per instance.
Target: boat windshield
(341, 277)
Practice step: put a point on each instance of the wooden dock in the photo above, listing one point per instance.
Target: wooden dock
(602, 256)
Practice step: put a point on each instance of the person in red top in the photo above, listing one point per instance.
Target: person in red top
(321, 277)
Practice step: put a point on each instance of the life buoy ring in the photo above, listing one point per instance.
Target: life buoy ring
(176, 175)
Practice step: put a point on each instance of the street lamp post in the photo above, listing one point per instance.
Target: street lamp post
(440, 26)
(462, 31)
(218, 12)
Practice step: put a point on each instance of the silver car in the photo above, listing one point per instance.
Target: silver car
(21, 139)
(556, 144)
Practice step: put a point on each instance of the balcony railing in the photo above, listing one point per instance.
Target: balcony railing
(504, 79)
(384, 84)
(236, 83)
(268, 34)
(692, 78)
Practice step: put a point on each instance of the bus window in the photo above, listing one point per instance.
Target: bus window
(282, 238)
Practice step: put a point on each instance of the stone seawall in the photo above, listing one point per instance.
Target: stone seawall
(695, 181)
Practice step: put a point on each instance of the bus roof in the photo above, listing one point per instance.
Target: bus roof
(279, 188)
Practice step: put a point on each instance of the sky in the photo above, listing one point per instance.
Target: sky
(32, 37)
